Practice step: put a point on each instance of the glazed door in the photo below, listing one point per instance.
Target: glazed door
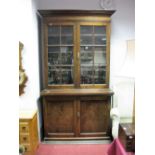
(77, 55)
(94, 54)
(60, 47)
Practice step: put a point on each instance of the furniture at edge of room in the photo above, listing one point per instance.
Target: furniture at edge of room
(28, 131)
(75, 67)
(127, 136)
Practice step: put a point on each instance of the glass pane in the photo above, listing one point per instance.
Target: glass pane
(86, 49)
(86, 35)
(54, 58)
(86, 74)
(86, 40)
(100, 74)
(66, 40)
(53, 49)
(87, 55)
(101, 49)
(54, 40)
(100, 35)
(66, 30)
(99, 58)
(66, 35)
(86, 30)
(54, 75)
(66, 49)
(54, 30)
(100, 40)
(100, 30)
(67, 55)
(67, 75)
(67, 58)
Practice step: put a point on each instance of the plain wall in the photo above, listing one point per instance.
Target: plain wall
(28, 35)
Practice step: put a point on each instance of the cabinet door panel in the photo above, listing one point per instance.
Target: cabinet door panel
(59, 118)
(94, 117)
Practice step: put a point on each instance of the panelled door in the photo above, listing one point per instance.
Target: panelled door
(94, 117)
(77, 116)
(60, 117)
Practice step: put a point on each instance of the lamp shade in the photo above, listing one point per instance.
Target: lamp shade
(128, 69)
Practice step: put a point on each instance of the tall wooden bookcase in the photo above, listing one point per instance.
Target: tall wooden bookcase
(75, 74)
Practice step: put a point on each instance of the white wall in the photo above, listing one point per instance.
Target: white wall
(28, 35)
(122, 29)
(69, 4)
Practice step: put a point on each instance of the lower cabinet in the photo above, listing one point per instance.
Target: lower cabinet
(77, 117)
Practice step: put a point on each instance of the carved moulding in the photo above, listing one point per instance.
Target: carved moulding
(22, 75)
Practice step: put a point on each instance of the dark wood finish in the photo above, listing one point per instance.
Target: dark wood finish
(77, 138)
(49, 13)
(76, 92)
(108, 53)
(76, 111)
(99, 18)
(127, 136)
(94, 117)
(133, 114)
(59, 118)
(75, 116)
